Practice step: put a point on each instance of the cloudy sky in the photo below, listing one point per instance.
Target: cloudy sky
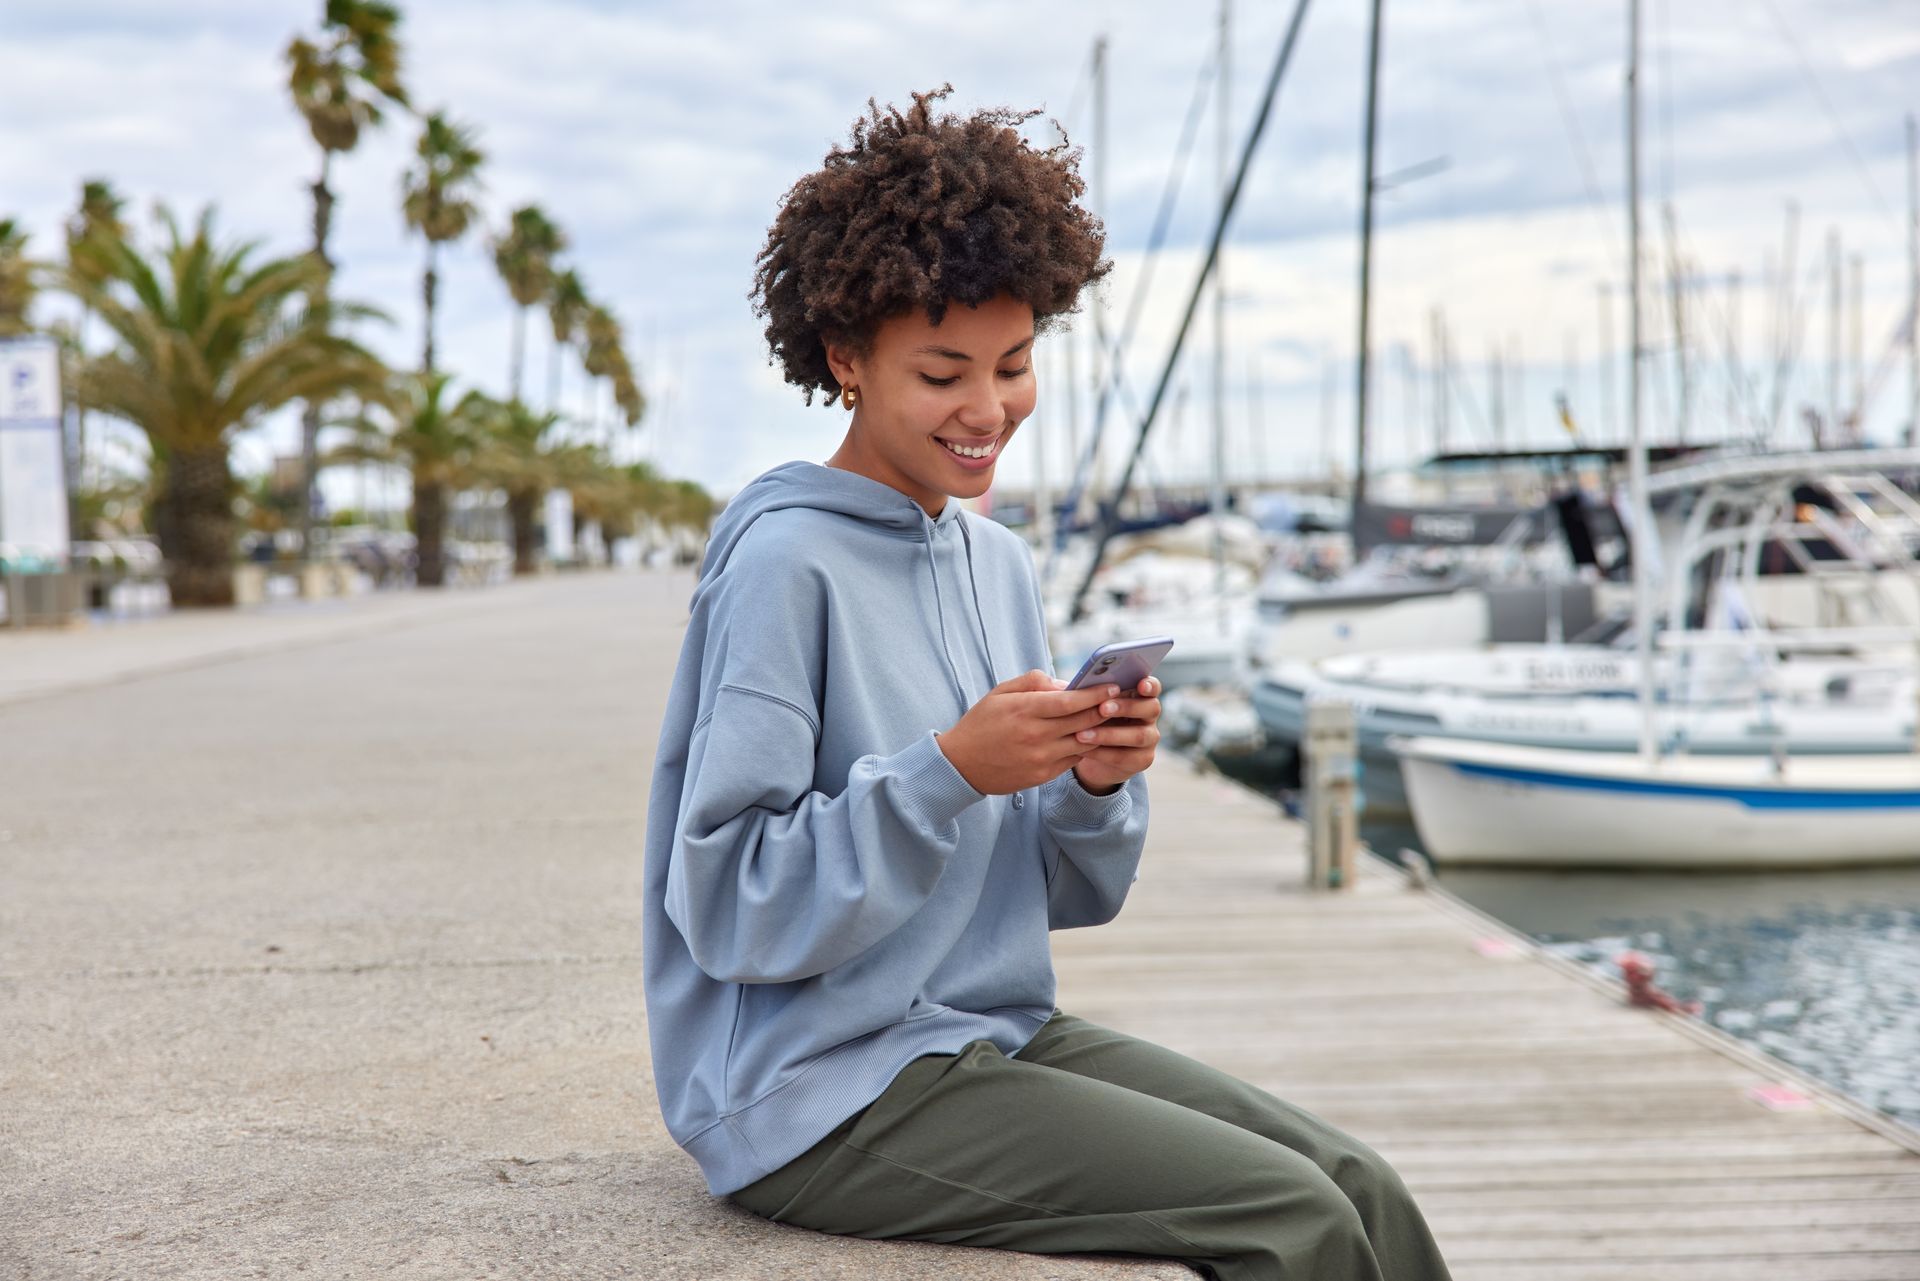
(661, 136)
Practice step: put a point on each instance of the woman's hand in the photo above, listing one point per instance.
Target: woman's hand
(1023, 733)
(1121, 747)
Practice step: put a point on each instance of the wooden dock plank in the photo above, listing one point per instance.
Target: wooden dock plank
(1846, 1266)
(1549, 1131)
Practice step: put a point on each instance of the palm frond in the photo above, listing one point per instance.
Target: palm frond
(206, 340)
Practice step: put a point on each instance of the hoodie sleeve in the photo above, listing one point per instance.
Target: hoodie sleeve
(1093, 846)
(769, 880)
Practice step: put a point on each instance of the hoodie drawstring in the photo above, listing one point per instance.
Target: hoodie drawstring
(940, 609)
(933, 564)
(980, 615)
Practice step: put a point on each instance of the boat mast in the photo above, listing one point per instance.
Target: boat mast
(1676, 294)
(1366, 269)
(1642, 521)
(1604, 360)
(1217, 498)
(1834, 304)
(1041, 518)
(1108, 513)
(1101, 354)
(1913, 284)
(1856, 350)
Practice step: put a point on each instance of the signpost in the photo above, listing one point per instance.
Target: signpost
(35, 538)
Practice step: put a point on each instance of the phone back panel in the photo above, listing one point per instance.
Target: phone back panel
(1123, 663)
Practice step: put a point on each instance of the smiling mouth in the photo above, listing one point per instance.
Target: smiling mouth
(976, 450)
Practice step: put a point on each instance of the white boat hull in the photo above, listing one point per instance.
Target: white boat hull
(1490, 803)
(1579, 698)
(1389, 625)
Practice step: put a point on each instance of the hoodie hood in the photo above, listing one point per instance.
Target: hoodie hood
(803, 484)
(878, 506)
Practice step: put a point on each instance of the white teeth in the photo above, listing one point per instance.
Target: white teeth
(980, 452)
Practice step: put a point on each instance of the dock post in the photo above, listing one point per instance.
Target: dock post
(1332, 835)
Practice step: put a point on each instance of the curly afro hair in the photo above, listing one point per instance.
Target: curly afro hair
(921, 211)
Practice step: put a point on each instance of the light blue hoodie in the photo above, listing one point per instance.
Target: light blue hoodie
(827, 898)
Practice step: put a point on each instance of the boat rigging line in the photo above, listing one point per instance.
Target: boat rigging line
(1113, 381)
(1109, 512)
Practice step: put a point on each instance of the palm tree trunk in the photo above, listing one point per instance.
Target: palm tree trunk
(429, 288)
(430, 532)
(520, 507)
(553, 376)
(310, 420)
(80, 405)
(323, 209)
(70, 390)
(193, 516)
(519, 350)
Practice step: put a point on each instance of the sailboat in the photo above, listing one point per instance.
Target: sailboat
(1507, 803)
(1820, 660)
(1478, 802)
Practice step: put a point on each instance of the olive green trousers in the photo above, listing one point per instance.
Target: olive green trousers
(1089, 1140)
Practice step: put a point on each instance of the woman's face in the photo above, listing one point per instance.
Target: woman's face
(927, 392)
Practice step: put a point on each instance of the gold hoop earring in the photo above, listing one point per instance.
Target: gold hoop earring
(848, 395)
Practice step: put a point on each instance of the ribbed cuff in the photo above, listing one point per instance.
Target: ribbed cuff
(1077, 807)
(931, 785)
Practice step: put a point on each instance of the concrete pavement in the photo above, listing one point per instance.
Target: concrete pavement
(319, 954)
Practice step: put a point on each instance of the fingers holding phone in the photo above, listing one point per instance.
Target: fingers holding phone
(1022, 733)
(1134, 710)
(1123, 746)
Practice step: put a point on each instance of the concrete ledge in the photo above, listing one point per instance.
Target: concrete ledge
(320, 955)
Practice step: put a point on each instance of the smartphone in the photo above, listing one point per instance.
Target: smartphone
(1122, 663)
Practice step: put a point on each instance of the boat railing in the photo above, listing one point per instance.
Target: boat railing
(1766, 647)
(1760, 468)
(1808, 638)
(1847, 550)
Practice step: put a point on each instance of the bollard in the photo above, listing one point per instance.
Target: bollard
(1332, 835)
(249, 584)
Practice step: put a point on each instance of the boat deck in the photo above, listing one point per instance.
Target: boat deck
(1549, 1131)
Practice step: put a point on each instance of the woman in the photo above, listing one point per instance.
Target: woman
(872, 802)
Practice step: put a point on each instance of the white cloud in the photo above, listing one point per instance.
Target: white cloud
(662, 135)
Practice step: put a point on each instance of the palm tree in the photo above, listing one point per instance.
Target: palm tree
(524, 257)
(628, 399)
(338, 84)
(17, 282)
(207, 341)
(689, 506)
(567, 305)
(435, 440)
(438, 199)
(604, 353)
(518, 455)
(98, 214)
(603, 495)
(606, 357)
(627, 396)
(96, 219)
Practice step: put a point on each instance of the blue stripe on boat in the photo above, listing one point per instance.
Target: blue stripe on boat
(1751, 797)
